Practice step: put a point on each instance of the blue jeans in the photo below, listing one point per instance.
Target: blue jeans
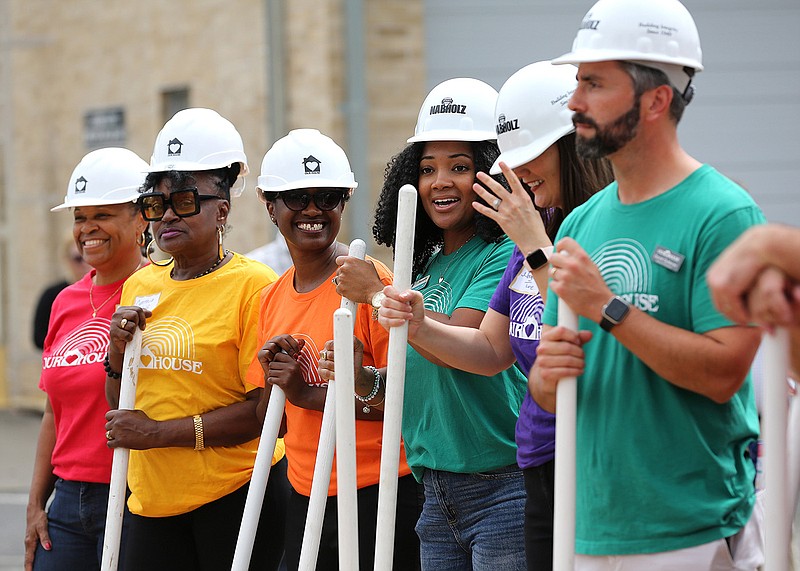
(76, 521)
(473, 521)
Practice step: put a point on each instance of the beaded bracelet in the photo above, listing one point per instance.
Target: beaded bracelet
(109, 371)
(374, 392)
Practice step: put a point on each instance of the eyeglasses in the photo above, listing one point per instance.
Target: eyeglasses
(325, 200)
(184, 203)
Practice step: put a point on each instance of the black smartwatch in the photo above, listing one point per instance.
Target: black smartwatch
(536, 259)
(614, 312)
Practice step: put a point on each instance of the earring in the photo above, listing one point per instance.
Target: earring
(219, 238)
(275, 222)
(161, 264)
(140, 240)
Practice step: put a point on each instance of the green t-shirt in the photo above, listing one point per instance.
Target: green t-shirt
(659, 467)
(453, 420)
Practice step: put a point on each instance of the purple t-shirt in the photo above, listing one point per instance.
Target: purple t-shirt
(518, 298)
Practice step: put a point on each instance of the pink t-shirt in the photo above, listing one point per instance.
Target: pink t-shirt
(74, 379)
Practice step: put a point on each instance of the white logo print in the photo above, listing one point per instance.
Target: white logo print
(625, 267)
(86, 344)
(168, 344)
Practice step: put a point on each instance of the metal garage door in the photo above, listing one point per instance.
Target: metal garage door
(745, 118)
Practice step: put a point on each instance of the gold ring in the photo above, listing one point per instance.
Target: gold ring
(553, 275)
(108, 435)
(123, 323)
(496, 203)
(324, 354)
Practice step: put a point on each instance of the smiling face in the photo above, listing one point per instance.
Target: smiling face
(542, 176)
(106, 235)
(193, 235)
(309, 229)
(446, 176)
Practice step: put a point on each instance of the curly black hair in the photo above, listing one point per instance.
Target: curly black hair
(403, 169)
(224, 179)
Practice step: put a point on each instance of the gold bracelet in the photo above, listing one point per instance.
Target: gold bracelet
(198, 432)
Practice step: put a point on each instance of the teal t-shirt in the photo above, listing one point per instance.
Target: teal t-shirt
(453, 420)
(659, 467)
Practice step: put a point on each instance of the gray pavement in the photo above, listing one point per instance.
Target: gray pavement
(18, 433)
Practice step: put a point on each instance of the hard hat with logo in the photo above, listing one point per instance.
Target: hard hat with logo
(459, 109)
(654, 33)
(199, 139)
(106, 176)
(305, 158)
(532, 112)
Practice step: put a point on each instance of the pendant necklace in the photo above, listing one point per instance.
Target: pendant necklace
(208, 270)
(109, 298)
(452, 257)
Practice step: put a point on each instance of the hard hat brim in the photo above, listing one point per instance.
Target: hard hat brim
(578, 57)
(74, 203)
(520, 155)
(453, 135)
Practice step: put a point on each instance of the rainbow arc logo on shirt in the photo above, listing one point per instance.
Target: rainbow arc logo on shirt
(84, 345)
(626, 267)
(168, 345)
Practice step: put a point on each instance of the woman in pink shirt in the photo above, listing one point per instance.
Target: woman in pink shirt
(72, 457)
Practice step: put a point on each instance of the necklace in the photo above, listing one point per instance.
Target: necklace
(109, 298)
(207, 271)
(452, 257)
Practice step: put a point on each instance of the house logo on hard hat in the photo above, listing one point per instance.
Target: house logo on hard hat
(311, 164)
(80, 185)
(504, 126)
(174, 148)
(447, 106)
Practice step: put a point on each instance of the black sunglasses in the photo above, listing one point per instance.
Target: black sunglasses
(184, 203)
(325, 200)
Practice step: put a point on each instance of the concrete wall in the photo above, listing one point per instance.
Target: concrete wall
(59, 60)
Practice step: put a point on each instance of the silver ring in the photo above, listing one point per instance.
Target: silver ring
(496, 203)
(335, 280)
(324, 354)
(123, 323)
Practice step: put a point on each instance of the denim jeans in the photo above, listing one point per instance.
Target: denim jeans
(76, 521)
(473, 521)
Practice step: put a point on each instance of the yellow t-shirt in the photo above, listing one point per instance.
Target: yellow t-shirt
(196, 349)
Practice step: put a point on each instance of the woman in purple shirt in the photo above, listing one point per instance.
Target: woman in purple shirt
(548, 180)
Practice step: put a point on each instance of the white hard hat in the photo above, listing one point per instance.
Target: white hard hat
(305, 158)
(532, 112)
(460, 109)
(106, 176)
(198, 140)
(654, 33)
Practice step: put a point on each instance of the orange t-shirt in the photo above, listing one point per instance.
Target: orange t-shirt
(309, 316)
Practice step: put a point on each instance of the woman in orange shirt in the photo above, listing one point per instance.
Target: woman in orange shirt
(305, 182)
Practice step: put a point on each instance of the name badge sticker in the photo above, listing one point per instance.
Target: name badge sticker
(666, 258)
(148, 302)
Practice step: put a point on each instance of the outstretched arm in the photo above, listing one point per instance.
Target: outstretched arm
(484, 350)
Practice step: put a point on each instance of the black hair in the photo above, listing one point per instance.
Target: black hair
(403, 169)
(224, 178)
